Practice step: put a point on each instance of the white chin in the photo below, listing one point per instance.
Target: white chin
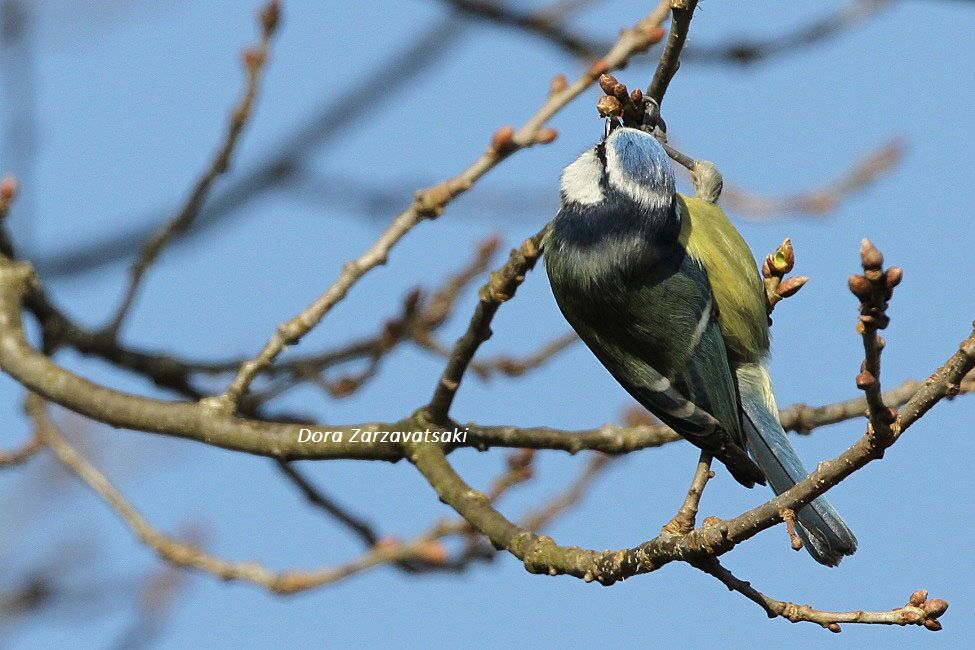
(581, 180)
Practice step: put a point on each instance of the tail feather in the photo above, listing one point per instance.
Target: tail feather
(823, 532)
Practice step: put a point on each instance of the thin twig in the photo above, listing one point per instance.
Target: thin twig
(540, 517)
(500, 287)
(919, 610)
(874, 288)
(254, 60)
(314, 496)
(670, 59)
(686, 518)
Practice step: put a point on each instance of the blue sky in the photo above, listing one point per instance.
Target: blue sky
(131, 102)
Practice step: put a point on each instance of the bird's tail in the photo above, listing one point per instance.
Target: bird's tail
(824, 533)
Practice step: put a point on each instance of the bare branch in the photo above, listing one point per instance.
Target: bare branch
(184, 555)
(544, 23)
(918, 610)
(686, 518)
(254, 60)
(670, 59)
(874, 289)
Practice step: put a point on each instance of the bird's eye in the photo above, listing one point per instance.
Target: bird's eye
(601, 152)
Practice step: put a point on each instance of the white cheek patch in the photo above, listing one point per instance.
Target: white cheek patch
(644, 176)
(580, 180)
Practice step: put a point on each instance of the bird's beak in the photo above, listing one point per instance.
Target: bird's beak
(611, 124)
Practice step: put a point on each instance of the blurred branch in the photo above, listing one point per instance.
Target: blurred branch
(21, 454)
(254, 60)
(18, 76)
(818, 201)
(315, 497)
(169, 549)
(542, 516)
(740, 51)
(275, 169)
(510, 366)
(745, 51)
(545, 23)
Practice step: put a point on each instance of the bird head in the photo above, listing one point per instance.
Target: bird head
(627, 162)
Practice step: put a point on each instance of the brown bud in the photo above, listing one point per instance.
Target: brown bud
(270, 16)
(866, 380)
(607, 82)
(558, 84)
(8, 188)
(598, 68)
(412, 299)
(521, 458)
(637, 416)
(894, 276)
(834, 628)
(488, 246)
(933, 625)
(859, 287)
(433, 552)
(546, 135)
(387, 542)
(651, 32)
(503, 140)
(935, 607)
(918, 597)
(784, 258)
(621, 93)
(636, 96)
(609, 106)
(791, 286)
(870, 257)
(253, 58)
(344, 386)
(881, 342)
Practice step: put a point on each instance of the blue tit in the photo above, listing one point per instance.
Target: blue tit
(666, 294)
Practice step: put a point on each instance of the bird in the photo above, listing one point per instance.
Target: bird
(665, 292)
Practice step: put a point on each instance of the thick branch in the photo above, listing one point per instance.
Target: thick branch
(280, 439)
